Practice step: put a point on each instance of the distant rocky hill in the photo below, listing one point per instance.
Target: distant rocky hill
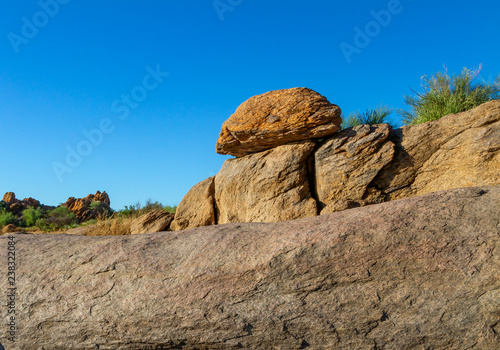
(83, 208)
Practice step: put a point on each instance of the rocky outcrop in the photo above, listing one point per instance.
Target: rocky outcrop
(418, 273)
(268, 186)
(197, 207)
(347, 163)
(155, 221)
(9, 198)
(455, 151)
(276, 118)
(15, 205)
(355, 167)
(83, 207)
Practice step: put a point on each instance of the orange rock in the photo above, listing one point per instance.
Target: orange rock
(276, 118)
(10, 228)
(10, 198)
(81, 206)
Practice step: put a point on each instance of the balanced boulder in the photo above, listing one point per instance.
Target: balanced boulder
(276, 118)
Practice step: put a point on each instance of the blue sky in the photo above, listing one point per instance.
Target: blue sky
(67, 67)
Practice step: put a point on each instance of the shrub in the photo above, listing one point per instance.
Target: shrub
(378, 115)
(31, 215)
(6, 218)
(3, 207)
(101, 209)
(444, 94)
(58, 218)
(170, 208)
(137, 209)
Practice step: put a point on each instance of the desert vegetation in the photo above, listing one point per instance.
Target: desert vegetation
(441, 94)
(371, 116)
(60, 218)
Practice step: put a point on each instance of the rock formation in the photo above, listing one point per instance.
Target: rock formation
(16, 205)
(197, 208)
(355, 167)
(417, 273)
(82, 206)
(155, 221)
(268, 186)
(455, 151)
(347, 163)
(276, 118)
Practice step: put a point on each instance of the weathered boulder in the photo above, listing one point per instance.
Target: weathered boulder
(155, 221)
(268, 186)
(82, 207)
(10, 198)
(469, 159)
(15, 204)
(276, 118)
(9, 228)
(418, 273)
(444, 154)
(347, 163)
(197, 207)
(31, 202)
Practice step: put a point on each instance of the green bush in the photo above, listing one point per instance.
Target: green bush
(378, 115)
(170, 208)
(137, 209)
(58, 218)
(31, 215)
(6, 218)
(444, 94)
(3, 207)
(101, 209)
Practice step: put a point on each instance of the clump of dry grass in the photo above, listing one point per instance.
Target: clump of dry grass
(112, 226)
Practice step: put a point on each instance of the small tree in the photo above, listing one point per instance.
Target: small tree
(31, 215)
(101, 209)
(378, 115)
(444, 94)
(6, 218)
(58, 218)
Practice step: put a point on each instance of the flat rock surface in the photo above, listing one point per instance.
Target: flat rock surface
(276, 118)
(418, 273)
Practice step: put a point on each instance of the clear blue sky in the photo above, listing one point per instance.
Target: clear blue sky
(76, 63)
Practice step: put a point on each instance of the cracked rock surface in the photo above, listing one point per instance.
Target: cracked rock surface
(417, 273)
